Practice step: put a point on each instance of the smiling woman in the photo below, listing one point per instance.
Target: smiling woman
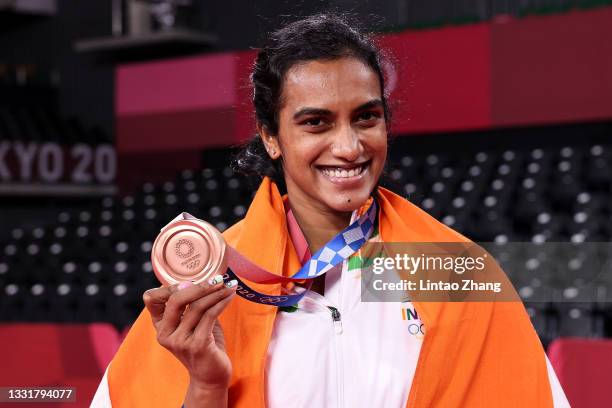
(322, 117)
(332, 142)
(332, 137)
(322, 129)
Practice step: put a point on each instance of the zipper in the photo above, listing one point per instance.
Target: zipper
(338, 328)
(321, 303)
(336, 319)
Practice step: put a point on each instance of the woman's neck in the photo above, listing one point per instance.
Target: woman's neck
(319, 225)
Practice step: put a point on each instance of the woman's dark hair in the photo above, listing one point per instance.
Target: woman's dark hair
(318, 37)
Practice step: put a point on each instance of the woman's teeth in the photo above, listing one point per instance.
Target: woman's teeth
(337, 172)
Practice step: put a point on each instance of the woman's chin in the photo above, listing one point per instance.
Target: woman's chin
(347, 202)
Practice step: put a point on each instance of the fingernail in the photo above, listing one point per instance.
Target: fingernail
(215, 280)
(184, 285)
(231, 283)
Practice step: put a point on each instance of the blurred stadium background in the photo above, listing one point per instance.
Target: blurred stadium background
(115, 115)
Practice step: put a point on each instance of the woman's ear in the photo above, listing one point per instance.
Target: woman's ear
(270, 142)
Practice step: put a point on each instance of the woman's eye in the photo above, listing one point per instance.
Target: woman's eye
(368, 116)
(314, 122)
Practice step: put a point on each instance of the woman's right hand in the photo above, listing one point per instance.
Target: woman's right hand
(185, 318)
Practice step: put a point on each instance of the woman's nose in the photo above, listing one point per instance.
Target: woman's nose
(346, 144)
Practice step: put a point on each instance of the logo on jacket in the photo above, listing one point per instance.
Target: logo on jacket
(415, 327)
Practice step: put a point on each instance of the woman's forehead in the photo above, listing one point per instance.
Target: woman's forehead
(325, 83)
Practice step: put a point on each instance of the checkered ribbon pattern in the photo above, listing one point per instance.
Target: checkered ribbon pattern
(336, 251)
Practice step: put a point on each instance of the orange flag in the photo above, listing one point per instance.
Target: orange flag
(474, 354)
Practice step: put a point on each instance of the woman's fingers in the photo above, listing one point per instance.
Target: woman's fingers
(197, 309)
(207, 321)
(178, 310)
(180, 298)
(155, 302)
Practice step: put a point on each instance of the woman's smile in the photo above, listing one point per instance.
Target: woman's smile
(345, 175)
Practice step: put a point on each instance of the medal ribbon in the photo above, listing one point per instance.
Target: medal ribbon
(331, 255)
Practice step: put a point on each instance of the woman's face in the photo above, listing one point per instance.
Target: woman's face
(332, 133)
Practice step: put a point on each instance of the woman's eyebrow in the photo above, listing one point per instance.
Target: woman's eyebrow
(311, 111)
(374, 103)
